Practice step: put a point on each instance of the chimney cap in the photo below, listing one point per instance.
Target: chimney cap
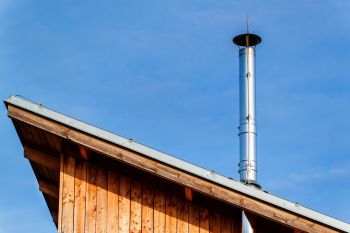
(247, 40)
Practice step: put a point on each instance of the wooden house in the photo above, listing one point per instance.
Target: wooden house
(96, 181)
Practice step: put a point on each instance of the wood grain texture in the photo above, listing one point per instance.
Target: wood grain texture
(49, 189)
(171, 214)
(124, 204)
(135, 207)
(101, 200)
(68, 194)
(198, 184)
(203, 220)
(159, 211)
(226, 224)
(91, 203)
(193, 218)
(182, 216)
(188, 194)
(80, 196)
(41, 158)
(60, 196)
(214, 222)
(84, 153)
(113, 195)
(147, 208)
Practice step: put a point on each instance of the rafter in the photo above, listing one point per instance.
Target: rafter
(41, 158)
(48, 188)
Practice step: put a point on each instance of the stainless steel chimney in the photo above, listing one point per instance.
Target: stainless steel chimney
(247, 119)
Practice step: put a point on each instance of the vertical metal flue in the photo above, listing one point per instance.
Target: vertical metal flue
(247, 119)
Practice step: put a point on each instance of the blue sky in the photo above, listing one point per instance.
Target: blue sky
(165, 73)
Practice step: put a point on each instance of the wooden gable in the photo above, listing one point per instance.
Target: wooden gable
(92, 185)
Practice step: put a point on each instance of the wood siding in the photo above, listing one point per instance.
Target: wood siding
(97, 199)
(47, 140)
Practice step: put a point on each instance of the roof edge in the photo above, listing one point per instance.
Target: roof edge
(178, 163)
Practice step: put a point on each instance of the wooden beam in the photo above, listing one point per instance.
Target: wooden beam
(48, 189)
(84, 153)
(41, 158)
(188, 194)
(144, 163)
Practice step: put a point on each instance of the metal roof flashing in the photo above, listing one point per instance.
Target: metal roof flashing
(178, 163)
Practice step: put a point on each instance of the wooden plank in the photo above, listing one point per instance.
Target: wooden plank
(59, 225)
(135, 206)
(28, 135)
(203, 220)
(147, 208)
(41, 158)
(68, 194)
(182, 216)
(237, 221)
(193, 218)
(48, 189)
(198, 184)
(56, 144)
(91, 204)
(80, 196)
(113, 195)
(159, 211)
(226, 224)
(101, 199)
(188, 194)
(124, 204)
(214, 222)
(170, 214)
(84, 153)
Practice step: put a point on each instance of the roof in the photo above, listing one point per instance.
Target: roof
(172, 161)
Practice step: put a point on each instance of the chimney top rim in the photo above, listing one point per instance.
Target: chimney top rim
(247, 40)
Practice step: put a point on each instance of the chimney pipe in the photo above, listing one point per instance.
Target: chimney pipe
(247, 119)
